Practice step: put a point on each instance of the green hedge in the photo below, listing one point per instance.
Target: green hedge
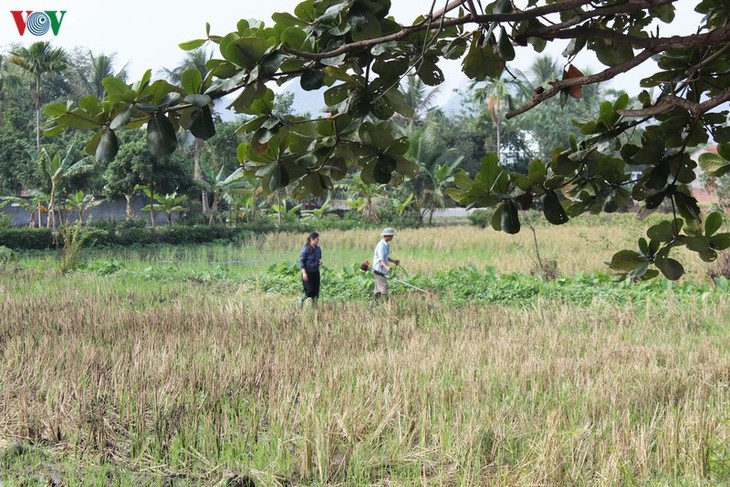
(26, 238)
(135, 231)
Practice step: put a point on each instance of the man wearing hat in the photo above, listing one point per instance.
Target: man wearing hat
(381, 260)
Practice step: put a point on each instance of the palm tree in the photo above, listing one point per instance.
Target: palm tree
(197, 59)
(91, 75)
(37, 61)
(544, 69)
(419, 98)
(429, 185)
(495, 92)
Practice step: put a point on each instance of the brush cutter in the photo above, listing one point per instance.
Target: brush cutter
(365, 266)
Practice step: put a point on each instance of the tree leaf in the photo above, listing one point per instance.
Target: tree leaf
(554, 211)
(627, 260)
(337, 94)
(510, 218)
(312, 80)
(671, 268)
(480, 62)
(537, 171)
(429, 72)
(506, 50)
(161, 137)
(687, 206)
(713, 164)
(713, 222)
(108, 147)
(723, 150)
(121, 119)
(363, 27)
(245, 51)
(202, 125)
(720, 241)
(198, 100)
(295, 38)
(497, 218)
(279, 178)
(191, 80)
(611, 53)
(191, 45)
(663, 231)
(384, 167)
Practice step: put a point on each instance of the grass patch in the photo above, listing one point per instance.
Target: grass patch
(179, 368)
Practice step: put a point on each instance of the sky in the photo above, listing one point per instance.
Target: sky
(144, 34)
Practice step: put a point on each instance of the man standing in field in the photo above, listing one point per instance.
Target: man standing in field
(381, 262)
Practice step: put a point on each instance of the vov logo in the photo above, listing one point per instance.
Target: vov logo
(38, 23)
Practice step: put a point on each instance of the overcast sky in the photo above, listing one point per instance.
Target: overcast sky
(145, 34)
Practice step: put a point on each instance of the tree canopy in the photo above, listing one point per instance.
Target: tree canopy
(359, 55)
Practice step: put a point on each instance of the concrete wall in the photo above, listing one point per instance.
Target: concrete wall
(115, 209)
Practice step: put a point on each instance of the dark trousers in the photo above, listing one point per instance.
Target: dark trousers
(311, 285)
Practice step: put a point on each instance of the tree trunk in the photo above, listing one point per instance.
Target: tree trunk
(499, 144)
(198, 174)
(213, 209)
(129, 211)
(51, 222)
(253, 205)
(152, 205)
(38, 117)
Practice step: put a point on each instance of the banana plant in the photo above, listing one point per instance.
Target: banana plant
(169, 203)
(80, 202)
(320, 212)
(58, 171)
(221, 186)
(363, 195)
(35, 205)
(283, 213)
(402, 206)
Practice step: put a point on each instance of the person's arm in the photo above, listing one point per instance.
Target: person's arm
(302, 262)
(379, 262)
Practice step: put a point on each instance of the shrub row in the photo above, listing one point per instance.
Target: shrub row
(26, 238)
(135, 231)
(42, 238)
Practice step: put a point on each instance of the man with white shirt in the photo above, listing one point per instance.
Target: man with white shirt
(381, 262)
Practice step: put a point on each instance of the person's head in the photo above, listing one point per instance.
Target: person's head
(313, 239)
(388, 234)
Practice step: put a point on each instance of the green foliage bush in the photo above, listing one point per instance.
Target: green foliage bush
(6, 255)
(133, 236)
(184, 234)
(468, 284)
(136, 231)
(481, 218)
(26, 238)
(5, 221)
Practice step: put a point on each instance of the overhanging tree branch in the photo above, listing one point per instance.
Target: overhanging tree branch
(671, 101)
(559, 85)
